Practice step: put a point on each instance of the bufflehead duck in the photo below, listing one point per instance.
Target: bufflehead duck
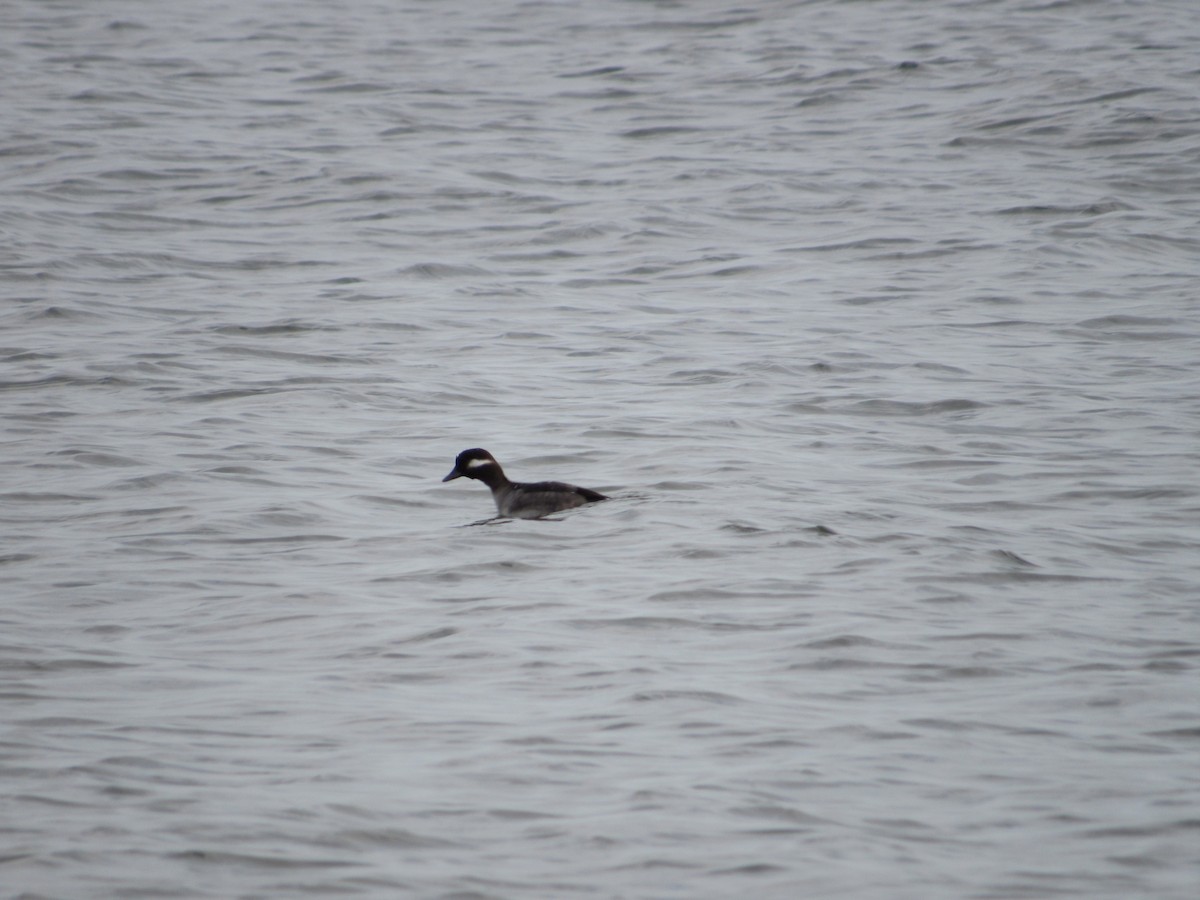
(519, 501)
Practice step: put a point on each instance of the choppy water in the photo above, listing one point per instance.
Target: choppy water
(878, 320)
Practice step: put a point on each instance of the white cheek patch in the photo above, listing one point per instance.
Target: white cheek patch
(477, 463)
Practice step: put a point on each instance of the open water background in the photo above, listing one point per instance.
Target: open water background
(879, 320)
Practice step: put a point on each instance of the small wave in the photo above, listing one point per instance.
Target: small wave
(902, 408)
(713, 697)
(1099, 208)
(435, 270)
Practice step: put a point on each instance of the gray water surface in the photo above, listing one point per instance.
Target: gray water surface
(878, 321)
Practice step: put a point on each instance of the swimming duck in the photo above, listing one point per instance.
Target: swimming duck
(514, 499)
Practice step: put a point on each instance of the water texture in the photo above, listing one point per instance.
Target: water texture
(878, 321)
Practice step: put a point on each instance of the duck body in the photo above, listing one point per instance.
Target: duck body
(515, 499)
